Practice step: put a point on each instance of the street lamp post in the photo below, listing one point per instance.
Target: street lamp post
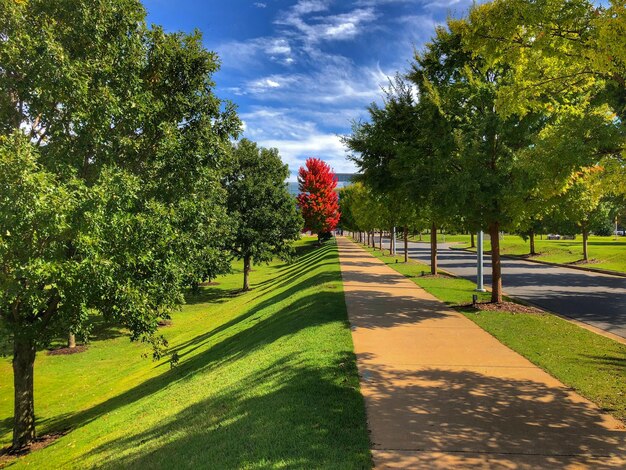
(479, 258)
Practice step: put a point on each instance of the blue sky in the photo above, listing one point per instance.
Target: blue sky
(301, 70)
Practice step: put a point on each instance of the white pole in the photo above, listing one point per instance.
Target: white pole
(479, 252)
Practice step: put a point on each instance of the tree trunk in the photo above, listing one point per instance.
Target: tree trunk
(472, 241)
(585, 239)
(374, 239)
(496, 268)
(380, 241)
(71, 340)
(420, 235)
(532, 243)
(406, 244)
(433, 249)
(247, 261)
(391, 242)
(24, 407)
(368, 238)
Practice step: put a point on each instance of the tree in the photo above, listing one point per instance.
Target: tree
(318, 200)
(115, 130)
(263, 211)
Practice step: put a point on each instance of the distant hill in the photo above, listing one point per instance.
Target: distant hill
(343, 179)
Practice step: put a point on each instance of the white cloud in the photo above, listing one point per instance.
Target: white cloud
(271, 83)
(297, 137)
(278, 46)
(304, 7)
(260, 5)
(312, 30)
(330, 85)
(328, 147)
(240, 55)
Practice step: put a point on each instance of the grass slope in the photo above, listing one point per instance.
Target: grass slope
(593, 365)
(605, 252)
(266, 379)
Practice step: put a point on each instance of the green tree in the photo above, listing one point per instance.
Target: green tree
(485, 178)
(264, 213)
(115, 130)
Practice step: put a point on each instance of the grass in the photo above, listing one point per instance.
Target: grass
(591, 364)
(605, 252)
(266, 379)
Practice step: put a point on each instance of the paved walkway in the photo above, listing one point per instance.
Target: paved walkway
(440, 392)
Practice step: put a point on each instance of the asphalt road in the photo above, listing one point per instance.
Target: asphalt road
(593, 298)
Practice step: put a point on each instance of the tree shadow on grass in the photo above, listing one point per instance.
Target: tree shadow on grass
(611, 361)
(321, 299)
(312, 417)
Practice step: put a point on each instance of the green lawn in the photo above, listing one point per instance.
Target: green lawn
(593, 365)
(605, 252)
(265, 380)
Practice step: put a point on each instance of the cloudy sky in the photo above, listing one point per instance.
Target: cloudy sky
(301, 70)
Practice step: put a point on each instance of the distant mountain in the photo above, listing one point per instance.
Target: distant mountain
(343, 179)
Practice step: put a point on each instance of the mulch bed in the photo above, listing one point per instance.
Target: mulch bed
(6, 455)
(209, 283)
(434, 276)
(65, 350)
(510, 307)
(164, 323)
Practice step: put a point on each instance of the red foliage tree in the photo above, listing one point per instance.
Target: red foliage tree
(318, 199)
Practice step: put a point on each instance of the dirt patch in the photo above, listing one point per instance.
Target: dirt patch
(66, 351)
(7, 456)
(582, 262)
(510, 307)
(209, 283)
(164, 323)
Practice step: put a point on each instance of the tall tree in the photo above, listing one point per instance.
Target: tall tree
(263, 211)
(116, 131)
(318, 199)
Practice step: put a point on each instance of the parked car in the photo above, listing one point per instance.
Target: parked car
(554, 236)
(619, 232)
(568, 237)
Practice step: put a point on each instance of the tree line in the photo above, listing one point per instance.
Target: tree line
(511, 118)
(122, 183)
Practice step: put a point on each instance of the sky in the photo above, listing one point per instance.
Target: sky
(301, 71)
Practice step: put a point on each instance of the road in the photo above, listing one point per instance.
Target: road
(593, 298)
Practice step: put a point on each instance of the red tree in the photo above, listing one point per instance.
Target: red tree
(318, 199)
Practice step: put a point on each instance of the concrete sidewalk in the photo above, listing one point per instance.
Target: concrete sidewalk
(440, 392)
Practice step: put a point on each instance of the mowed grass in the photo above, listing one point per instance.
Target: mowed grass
(591, 364)
(265, 379)
(604, 252)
